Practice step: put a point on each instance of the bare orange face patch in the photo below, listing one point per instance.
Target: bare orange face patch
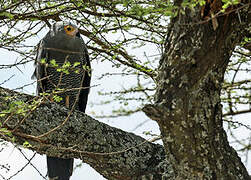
(70, 30)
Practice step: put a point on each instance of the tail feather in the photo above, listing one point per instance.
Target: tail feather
(59, 169)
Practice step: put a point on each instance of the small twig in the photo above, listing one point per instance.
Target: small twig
(29, 160)
(22, 167)
(70, 149)
(64, 51)
(241, 124)
(237, 112)
(7, 79)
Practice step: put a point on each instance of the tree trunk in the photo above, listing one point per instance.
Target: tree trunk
(187, 107)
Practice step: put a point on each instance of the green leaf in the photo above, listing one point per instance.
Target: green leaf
(76, 64)
(66, 64)
(26, 144)
(43, 61)
(7, 14)
(60, 69)
(66, 71)
(57, 98)
(5, 131)
(53, 63)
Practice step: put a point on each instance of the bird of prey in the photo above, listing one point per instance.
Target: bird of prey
(63, 69)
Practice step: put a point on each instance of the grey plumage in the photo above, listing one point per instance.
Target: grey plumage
(62, 45)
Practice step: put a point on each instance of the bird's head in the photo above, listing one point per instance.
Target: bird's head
(66, 28)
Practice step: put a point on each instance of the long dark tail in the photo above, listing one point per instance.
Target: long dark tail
(59, 169)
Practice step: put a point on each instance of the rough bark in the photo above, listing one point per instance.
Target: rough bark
(187, 107)
(112, 152)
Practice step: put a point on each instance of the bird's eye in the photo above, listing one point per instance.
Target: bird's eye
(68, 28)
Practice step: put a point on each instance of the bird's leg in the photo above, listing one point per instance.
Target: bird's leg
(67, 101)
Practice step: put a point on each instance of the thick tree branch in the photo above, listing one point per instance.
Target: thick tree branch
(112, 152)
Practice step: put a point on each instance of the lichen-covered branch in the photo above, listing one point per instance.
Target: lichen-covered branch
(112, 152)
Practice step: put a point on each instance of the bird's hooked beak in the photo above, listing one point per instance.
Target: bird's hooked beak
(70, 30)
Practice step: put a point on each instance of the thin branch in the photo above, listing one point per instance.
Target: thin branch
(237, 112)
